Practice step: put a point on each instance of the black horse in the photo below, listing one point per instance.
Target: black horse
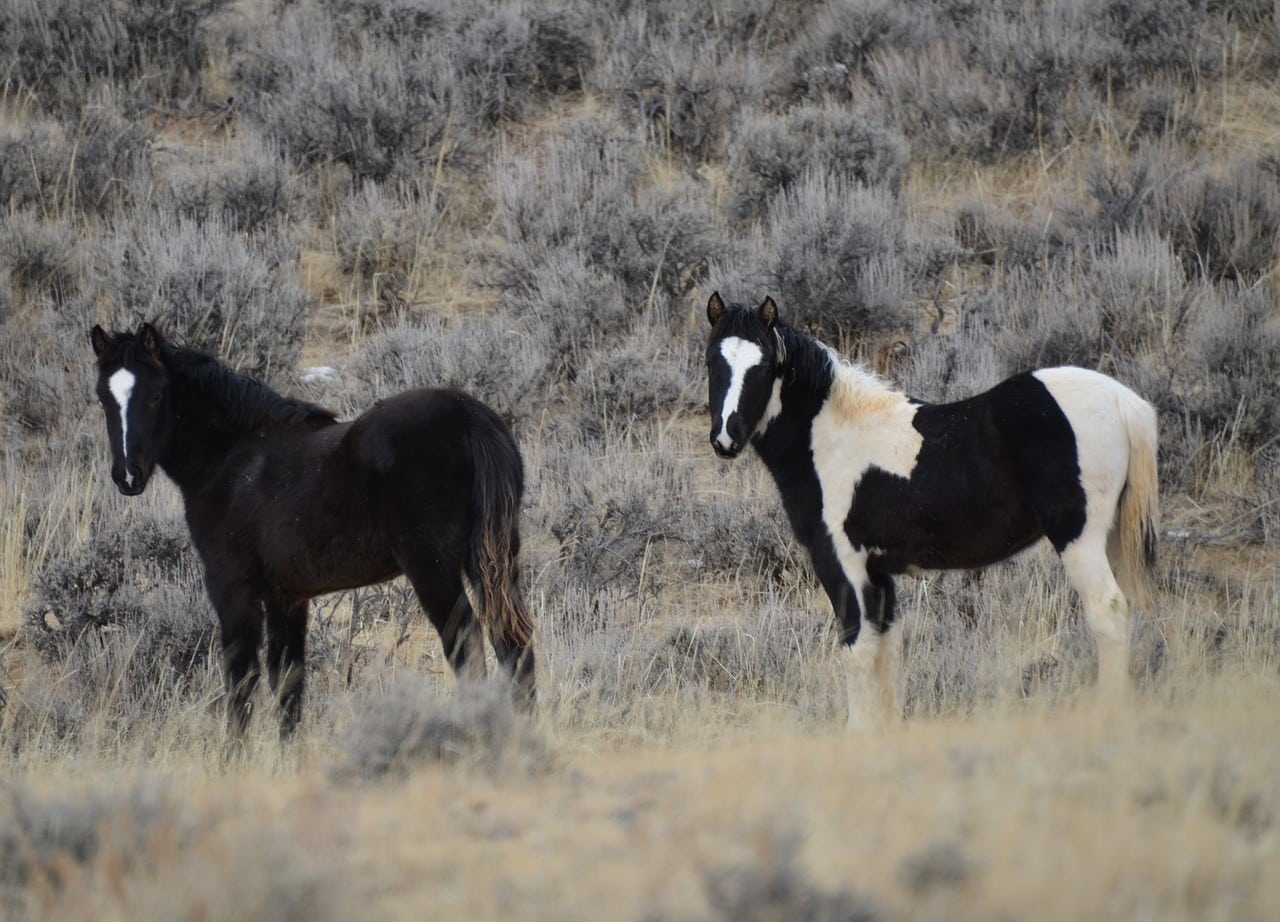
(284, 503)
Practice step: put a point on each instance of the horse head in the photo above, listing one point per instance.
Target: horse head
(133, 387)
(745, 358)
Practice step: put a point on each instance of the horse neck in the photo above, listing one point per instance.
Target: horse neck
(206, 424)
(815, 375)
(195, 443)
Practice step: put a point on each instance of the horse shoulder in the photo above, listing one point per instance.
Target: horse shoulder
(883, 436)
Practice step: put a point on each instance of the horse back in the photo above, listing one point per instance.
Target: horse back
(418, 431)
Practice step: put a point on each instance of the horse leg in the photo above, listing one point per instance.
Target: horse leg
(844, 601)
(517, 660)
(240, 621)
(1105, 608)
(440, 592)
(872, 662)
(870, 679)
(881, 599)
(286, 659)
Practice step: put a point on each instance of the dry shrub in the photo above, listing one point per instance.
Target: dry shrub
(578, 305)
(40, 258)
(678, 88)
(138, 850)
(59, 49)
(380, 110)
(385, 240)
(124, 611)
(625, 383)
(248, 187)
(771, 657)
(1223, 225)
(937, 867)
(769, 153)
(405, 728)
(91, 163)
(489, 356)
(509, 56)
(1232, 365)
(1005, 243)
(1141, 291)
(209, 287)
(841, 41)
(833, 255)
(586, 193)
(776, 888)
(43, 840)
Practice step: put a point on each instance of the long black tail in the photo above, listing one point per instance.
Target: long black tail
(493, 562)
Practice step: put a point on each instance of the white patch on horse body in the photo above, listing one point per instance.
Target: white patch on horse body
(863, 424)
(121, 386)
(1100, 411)
(742, 355)
(1091, 402)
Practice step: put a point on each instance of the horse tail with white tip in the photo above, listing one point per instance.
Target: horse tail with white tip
(493, 558)
(1131, 547)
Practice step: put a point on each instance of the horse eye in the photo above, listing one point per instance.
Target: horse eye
(153, 403)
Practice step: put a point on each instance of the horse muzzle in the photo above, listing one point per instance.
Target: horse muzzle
(130, 482)
(725, 447)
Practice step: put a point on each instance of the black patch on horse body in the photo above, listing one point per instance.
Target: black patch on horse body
(995, 473)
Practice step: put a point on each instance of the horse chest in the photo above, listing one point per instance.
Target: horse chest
(844, 450)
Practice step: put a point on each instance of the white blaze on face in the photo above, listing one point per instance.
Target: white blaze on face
(742, 355)
(121, 386)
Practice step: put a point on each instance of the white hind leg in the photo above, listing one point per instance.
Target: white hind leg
(1105, 608)
(1091, 403)
(871, 678)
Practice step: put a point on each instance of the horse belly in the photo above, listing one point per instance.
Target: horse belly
(904, 530)
(322, 548)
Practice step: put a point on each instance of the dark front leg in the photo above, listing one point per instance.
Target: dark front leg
(844, 601)
(240, 617)
(879, 597)
(286, 659)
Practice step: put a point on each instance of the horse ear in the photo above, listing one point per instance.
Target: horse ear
(149, 338)
(715, 308)
(100, 338)
(768, 313)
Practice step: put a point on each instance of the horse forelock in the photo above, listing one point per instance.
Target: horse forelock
(740, 322)
(125, 351)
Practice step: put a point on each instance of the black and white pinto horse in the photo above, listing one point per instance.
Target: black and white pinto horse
(284, 503)
(876, 484)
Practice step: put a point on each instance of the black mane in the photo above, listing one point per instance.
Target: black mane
(807, 360)
(237, 401)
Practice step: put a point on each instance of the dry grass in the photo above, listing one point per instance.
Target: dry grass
(687, 787)
(1065, 812)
